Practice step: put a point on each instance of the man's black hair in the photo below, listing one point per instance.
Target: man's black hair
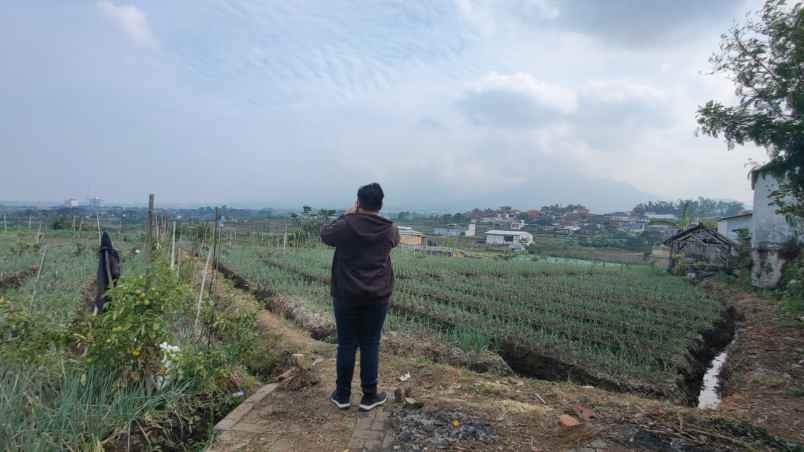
(370, 197)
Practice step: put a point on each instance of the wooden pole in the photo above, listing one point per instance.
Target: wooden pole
(149, 232)
(5, 224)
(201, 292)
(216, 231)
(285, 238)
(38, 275)
(97, 218)
(173, 248)
(156, 228)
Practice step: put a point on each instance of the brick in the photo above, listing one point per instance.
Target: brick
(388, 440)
(248, 427)
(379, 421)
(366, 435)
(282, 445)
(261, 393)
(239, 413)
(373, 445)
(356, 443)
(364, 423)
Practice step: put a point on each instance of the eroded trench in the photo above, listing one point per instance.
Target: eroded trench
(698, 380)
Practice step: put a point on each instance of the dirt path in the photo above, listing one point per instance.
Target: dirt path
(765, 370)
(461, 410)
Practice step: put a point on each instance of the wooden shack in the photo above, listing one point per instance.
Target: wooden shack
(410, 237)
(701, 250)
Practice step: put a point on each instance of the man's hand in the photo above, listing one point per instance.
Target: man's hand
(351, 210)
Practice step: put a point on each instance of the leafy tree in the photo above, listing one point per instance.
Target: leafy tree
(764, 58)
(682, 223)
(59, 223)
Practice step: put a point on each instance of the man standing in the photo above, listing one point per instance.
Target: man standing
(362, 282)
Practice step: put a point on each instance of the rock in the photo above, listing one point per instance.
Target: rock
(584, 412)
(298, 360)
(567, 421)
(408, 392)
(413, 403)
(598, 444)
(398, 395)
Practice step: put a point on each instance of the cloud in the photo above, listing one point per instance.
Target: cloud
(131, 20)
(517, 100)
(492, 16)
(641, 23)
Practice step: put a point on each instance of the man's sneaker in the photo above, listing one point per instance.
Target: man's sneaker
(371, 401)
(340, 401)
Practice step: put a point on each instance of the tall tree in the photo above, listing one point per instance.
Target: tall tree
(764, 57)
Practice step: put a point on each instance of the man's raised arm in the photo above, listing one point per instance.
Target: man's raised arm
(334, 233)
(395, 240)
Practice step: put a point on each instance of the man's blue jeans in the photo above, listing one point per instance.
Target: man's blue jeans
(358, 326)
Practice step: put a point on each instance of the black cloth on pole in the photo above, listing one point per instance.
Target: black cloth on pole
(102, 280)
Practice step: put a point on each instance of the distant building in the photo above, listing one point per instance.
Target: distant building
(71, 203)
(450, 230)
(410, 237)
(769, 231)
(95, 203)
(497, 237)
(534, 214)
(730, 226)
(471, 230)
(660, 216)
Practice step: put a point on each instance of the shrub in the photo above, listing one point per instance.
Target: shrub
(127, 336)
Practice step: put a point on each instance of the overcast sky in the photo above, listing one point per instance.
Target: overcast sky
(447, 103)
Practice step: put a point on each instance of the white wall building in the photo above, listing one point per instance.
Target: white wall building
(497, 237)
(71, 203)
(730, 226)
(471, 230)
(769, 231)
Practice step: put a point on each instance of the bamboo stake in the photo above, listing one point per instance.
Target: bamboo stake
(149, 233)
(201, 292)
(173, 248)
(38, 275)
(97, 217)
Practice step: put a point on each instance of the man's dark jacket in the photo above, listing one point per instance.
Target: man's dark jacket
(361, 267)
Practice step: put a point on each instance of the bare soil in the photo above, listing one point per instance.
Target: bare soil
(15, 279)
(765, 370)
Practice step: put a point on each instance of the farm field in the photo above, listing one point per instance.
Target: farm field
(621, 326)
(70, 380)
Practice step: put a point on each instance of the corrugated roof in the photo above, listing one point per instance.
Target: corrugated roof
(746, 214)
(499, 232)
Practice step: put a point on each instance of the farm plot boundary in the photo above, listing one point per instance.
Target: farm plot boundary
(525, 358)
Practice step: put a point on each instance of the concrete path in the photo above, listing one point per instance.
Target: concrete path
(276, 419)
